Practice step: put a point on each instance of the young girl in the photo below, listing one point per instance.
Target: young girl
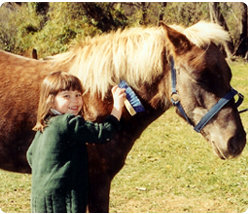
(58, 155)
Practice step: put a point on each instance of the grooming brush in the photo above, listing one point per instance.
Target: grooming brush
(132, 102)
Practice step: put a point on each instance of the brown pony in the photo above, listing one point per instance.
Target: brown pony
(142, 57)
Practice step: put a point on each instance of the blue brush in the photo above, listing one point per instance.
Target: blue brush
(132, 103)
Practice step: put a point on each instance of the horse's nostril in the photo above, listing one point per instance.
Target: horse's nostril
(235, 145)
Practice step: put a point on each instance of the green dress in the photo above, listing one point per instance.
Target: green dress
(59, 163)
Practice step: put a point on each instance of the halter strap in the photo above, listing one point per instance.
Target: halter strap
(174, 92)
(213, 111)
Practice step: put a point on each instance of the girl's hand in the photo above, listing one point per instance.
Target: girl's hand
(119, 96)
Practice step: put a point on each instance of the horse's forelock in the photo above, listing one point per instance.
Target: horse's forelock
(203, 33)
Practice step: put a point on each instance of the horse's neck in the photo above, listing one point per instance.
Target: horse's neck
(157, 95)
(154, 97)
(95, 109)
(155, 104)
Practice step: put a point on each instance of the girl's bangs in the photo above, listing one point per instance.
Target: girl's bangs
(66, 82)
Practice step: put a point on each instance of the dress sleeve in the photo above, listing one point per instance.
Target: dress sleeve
(29, 154)
(81, 130)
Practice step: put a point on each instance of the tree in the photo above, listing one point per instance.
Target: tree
(241, 49)
(106, 17)
(17, 26)
(139, 9)
(50, 27)
(162, 8)
(217, 17)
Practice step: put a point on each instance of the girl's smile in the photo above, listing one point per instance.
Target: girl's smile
(68, 102)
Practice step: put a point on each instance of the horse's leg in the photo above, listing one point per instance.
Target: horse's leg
(99, 193)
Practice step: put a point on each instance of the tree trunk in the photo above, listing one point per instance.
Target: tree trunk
(242, 47)
(144, 6)
(162, 8)
(217, 17)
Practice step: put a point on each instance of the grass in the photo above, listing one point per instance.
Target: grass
(169, 169)
(15, 192)
(177, 172)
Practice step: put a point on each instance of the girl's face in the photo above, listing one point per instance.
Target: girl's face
(68, 102)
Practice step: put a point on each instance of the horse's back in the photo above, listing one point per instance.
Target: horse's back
(20, 80)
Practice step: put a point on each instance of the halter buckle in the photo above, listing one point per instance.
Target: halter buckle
(174, 98)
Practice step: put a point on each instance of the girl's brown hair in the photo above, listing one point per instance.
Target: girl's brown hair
(50, 87)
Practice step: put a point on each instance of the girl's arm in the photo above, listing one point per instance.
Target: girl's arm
(87, 131)
(31, 150)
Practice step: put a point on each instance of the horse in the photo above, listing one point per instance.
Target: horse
(164, 65)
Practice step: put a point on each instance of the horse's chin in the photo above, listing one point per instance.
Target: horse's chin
(223, 150)
(223, 154)
(216, 149)
(218, 152)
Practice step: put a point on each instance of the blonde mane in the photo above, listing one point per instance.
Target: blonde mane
(134, 55)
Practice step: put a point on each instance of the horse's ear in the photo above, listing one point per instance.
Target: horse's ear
(180, 43)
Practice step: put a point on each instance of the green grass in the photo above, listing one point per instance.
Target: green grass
(15, 192)
(170, 169)
(175, 171)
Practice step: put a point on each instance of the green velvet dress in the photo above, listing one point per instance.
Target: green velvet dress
(59, 163)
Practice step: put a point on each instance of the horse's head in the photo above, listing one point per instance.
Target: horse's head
(202, 79)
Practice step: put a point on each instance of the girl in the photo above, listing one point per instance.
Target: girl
(58, 155)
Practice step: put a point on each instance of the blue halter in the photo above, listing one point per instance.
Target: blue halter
(213, 111)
